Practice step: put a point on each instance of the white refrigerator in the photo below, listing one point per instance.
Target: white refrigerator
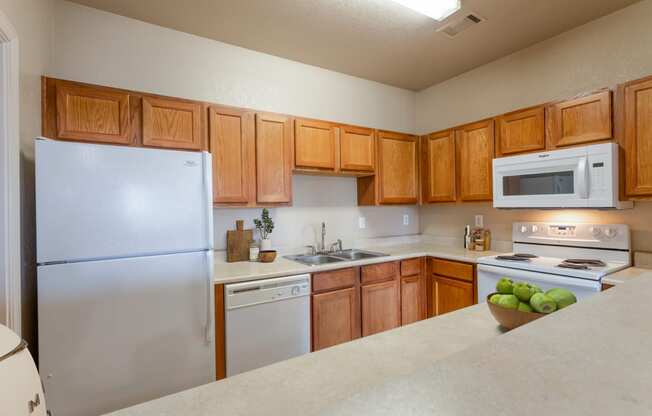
(124, 250)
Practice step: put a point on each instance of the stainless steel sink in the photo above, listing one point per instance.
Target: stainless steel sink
(315, 260)
(334, 257)
(353, 254)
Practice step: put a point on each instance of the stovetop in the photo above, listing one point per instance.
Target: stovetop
(594, 269)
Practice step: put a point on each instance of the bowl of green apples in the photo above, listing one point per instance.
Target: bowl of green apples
(518, 303)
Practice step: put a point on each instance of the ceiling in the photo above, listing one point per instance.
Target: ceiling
(373, 39)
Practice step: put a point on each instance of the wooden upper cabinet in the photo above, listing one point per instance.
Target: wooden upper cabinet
(273, 159)
(381, 307)
(475, 152)
(397, 168)
(171, 123)
(581, 120)
(89, 113)
(439, 167)
(231, 134)
(315, 144)
(357, 149)
(635, 101)
(521, 131)
(335, 318)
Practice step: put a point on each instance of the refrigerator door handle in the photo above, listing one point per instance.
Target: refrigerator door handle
(210, 302)
(208, 191)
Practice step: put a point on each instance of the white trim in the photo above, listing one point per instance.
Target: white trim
(9, 139)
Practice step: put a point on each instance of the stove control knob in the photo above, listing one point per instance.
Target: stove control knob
(523, 229)
(596, 232)
(535, 228)
(610, 232)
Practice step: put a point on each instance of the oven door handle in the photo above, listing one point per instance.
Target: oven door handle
(537, 276)
(582, 178)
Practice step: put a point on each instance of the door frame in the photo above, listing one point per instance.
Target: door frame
(10, 256)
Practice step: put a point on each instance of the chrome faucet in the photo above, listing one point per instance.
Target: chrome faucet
(323, 236)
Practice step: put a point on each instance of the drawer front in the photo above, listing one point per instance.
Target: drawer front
(410, 267)
(335, 279)
(454, 269)
(379, 272)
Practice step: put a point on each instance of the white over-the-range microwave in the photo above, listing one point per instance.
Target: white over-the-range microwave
(578, 177)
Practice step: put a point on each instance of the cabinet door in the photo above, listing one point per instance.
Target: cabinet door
(450, 295)
(172, 124)
(397, 168)
(381, 307)
(413, 299)
(335, 317)
(232, 143)
(475, 152)
(357, 149)
(314, 145)
(581, 120)
(439, 169)
(637, 109)
(93, 114)
(521, 131)
(273, 158)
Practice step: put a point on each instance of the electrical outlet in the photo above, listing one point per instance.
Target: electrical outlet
(362, 222)
(479, 221)
(406, 219)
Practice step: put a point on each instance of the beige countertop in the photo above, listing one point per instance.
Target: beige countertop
(245, 270)
(592, 358)
(625, 275)
(308, 384)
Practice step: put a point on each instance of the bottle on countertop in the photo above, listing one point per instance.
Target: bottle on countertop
(467, 237)
(254, 251)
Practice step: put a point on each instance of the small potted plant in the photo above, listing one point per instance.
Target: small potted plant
(264, 225)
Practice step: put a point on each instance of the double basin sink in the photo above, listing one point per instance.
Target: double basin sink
(334, 257)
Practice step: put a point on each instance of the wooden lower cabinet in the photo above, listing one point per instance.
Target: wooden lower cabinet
(450, 294)
(413, 299)
(220, 333)
(334, 318)
(381, 307)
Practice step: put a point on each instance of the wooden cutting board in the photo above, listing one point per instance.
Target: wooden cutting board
(237, 242)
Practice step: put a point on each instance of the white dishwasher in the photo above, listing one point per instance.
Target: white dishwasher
(266, 321)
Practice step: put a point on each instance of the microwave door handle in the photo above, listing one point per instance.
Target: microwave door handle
(582, 179)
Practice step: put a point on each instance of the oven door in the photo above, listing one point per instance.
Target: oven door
(543, 180)
(488, 276)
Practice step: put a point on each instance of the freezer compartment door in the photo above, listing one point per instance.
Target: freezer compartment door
(99, 201)
(115, 333)
(488, 276)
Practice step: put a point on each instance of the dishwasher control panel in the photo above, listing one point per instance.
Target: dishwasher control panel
(269, 290)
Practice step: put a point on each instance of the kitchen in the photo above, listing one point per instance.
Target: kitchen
(543, 78)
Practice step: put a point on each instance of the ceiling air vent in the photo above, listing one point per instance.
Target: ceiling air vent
(456, 27)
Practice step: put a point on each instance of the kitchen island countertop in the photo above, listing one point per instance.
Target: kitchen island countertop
(591, 358)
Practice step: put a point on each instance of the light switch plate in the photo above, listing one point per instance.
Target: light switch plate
(406, 219)
(362, 222)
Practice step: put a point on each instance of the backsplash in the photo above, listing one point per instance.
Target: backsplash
(448, 220)
(316, 199)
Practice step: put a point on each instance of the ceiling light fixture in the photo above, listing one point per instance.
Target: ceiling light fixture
(436, 9)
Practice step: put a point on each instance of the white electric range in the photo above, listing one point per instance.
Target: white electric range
(572, 256)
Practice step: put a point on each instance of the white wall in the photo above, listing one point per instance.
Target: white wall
(104, 48)
(107, 49)
(32, 20)
(599, 54)
(317, 199)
